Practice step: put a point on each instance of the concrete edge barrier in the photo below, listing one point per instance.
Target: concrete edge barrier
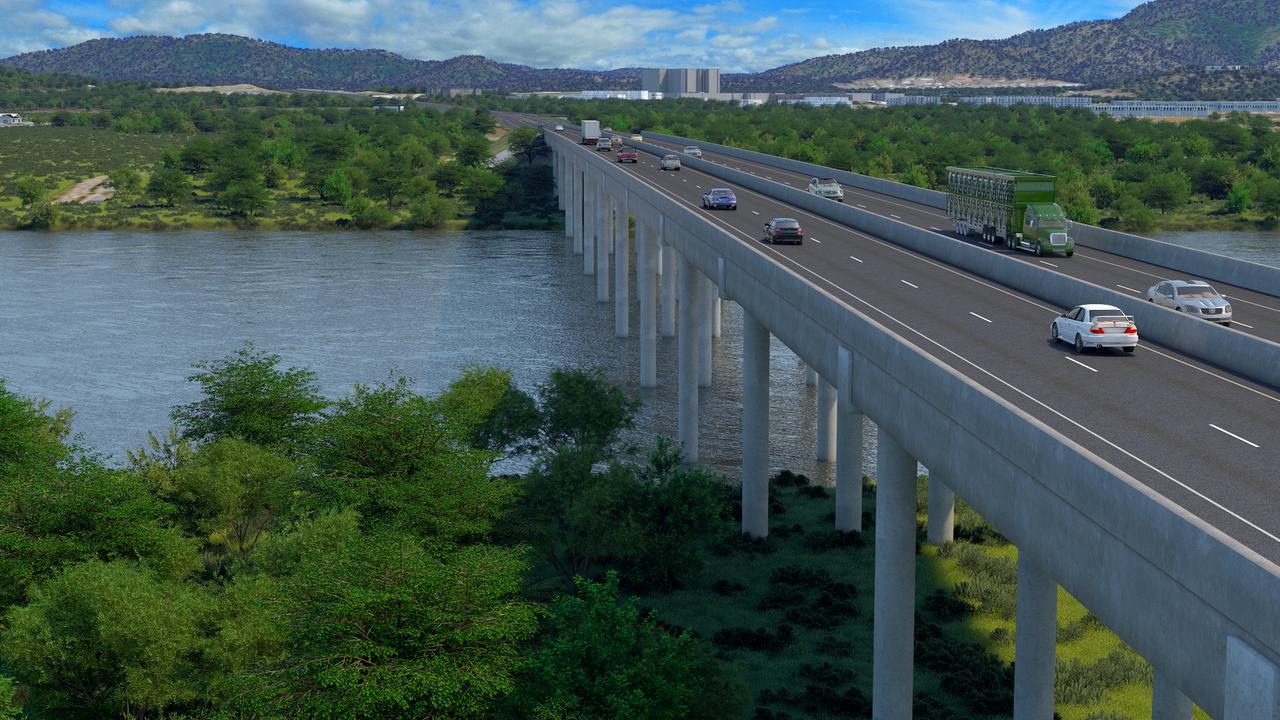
(1174, 587)
(1198, 263)
(1233, 350)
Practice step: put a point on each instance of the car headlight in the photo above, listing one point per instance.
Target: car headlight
(1226, 308)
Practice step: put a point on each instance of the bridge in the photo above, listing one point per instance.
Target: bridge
(1142, 484)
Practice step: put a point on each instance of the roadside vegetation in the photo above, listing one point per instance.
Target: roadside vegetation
(277, 553)
(1131, 174)
(275, 162)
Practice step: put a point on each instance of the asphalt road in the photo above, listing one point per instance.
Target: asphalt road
(1256, 313)
(1206, 439)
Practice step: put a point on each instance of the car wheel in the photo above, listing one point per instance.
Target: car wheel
(1226, 324)
(1039, 252)
(1178, 309)
(1053, 333)
(1070, 253)
(1131, 348)
(1079, 344)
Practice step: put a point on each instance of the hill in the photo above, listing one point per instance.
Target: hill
(1157, 38)
(216, 59)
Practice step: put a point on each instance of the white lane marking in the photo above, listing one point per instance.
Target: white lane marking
(896, 217)
(1228, 432)
(698, 186)
(1046, 262)
(864, 207)
(1086, 367)
(935, 229)
(854, 258)
(815, 239)
(904, 282)
(683, 180)
(1029, 301)
(755, 212)
(1237, 322)
(1125, 287)
(978, 316)
(997, 378)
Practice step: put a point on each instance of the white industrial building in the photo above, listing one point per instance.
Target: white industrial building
(13, 120)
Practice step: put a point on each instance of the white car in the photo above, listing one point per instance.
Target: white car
(1193, 297)
(669, 162)
(827, 188)
(693, 151)
(1100, 326)
(559, 128)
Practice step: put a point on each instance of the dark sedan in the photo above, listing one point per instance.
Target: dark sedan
(720, 198)
(780, 230)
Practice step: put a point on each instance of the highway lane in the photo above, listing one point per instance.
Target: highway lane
(1204, 438)
(1258, 313)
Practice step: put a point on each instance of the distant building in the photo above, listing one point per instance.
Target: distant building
(464, 92)
(1053, 100)
(13, 120)
(914, 100)
(614, 95)
(818, 100)
(1222, 68)
(394, 108)
(1176, 108)
(677, 82)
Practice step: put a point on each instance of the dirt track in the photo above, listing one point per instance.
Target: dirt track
(88, 191)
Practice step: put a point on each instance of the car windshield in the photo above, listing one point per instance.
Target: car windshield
(1107, 314)
(690, 149)
(670, 157)
(1198, 292)
(827, 181)
(721, 191)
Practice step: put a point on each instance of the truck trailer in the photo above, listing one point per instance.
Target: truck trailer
(590, 132)
(1018, 209)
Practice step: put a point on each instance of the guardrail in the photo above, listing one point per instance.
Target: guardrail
(1247, 355)
(1172, 586)
(1198, 263)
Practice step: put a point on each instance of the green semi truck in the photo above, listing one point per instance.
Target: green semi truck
(1012, 207)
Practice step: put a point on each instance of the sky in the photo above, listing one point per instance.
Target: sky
(734, 35)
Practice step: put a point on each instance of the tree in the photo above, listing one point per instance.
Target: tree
(28, 189)
(473, 151)
(368, 215)
(581, 408)
(1268, 196)
(109, 639)
(244, 396)
(43, 216)
(234, 166)
(602, 658)
(245, 198)
(524, 142)
(168, 185)
(448, 176)
(382, 625)
(337, 188)
(1238, 200)
(431, 211)
(479, 185)
(198, 156)
(1166, 191)
(126, 181)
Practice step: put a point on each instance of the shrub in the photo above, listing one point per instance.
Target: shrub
(782, 532)
(833, 540)
(754, 639)
(727, 587)
(1080, 683)
(945, 607)
(736, 542)
(786, 478)
(816, 492)
(982, 682)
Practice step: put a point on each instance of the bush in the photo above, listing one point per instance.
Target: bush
(815, 492)
(782, 532)
(834, 647)
(945, 607)
(1079, 683)
(786, 478)
(736, 542)
(43, 216)
(727, 588)
(833, 540)
(823, 695)
(982, 682)
(754, 639)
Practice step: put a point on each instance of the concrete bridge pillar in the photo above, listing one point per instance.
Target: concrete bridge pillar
(1037, 627)
(1167, 700)
(810, 376)
(1252, 684)
(647, 249)
(575, 209)
(591, 218)
(622, 269)
(669, 270)
(706, 292)
(691, 321)
(604, 238)
(717, 306)
(755, 427)
(557, 170)
(848, 462)
(893, 626)
(826, 444)
(942, 510)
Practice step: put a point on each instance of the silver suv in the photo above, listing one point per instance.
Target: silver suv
(827, 188)
(1194, 297)
(693, 151)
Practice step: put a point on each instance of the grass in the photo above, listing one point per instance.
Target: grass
(1099, 678)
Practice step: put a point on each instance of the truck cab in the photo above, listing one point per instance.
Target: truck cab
(1044, 231)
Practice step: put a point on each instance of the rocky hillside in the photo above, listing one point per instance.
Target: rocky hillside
(229, 59)
(1156, 38)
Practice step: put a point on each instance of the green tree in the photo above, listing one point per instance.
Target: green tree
(1268, 196)
(43, 216)
(431, 211)
(245, 396)
(126, 181)
(109, 639)
(474, 151)
(337, 187)
(603, 658)
(1166, 191)
(28, 189)
(524, 142)
(168, 185)
(234, 165)
(381, 625)
(1238, 200)
(9, 709)
(199, 156)
(1133, 215)
(367, 214)
(479, 185)
(448, 176)
(581, 408)
(245, 198)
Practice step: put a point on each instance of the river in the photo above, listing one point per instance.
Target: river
(110, 323)
(1258, 247)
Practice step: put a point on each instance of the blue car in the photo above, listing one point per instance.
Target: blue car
(720, 198)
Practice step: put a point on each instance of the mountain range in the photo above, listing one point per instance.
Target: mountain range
(1158, 38)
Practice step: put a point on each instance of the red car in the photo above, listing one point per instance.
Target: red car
(627, 154)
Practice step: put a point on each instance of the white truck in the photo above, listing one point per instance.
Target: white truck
(590, 132)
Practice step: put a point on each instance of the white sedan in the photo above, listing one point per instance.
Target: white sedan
(693, 151)
(1100, 326)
